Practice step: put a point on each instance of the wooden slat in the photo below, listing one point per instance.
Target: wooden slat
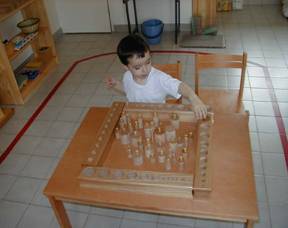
(14, 7)
(207, 65)
(242, 80)
(219, 57)
(174, 70)
(207, 10)
(9, 91)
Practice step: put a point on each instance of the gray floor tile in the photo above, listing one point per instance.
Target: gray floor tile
(107, 212)
(148, 217)
(11, 213)
(277, 189)
(127, 223)
(274, 164)
(102, 222)
(23, 190)
(175, 220)
(6, 181)
(270, 143)
(36, 216)
(279, 217)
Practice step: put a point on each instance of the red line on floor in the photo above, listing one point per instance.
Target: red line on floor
(43, 104)
(278, 116)
(34, 115)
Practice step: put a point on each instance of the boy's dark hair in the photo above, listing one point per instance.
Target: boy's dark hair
(131, 45)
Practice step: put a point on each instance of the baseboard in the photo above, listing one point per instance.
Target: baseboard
(58, 34)
(167, 27)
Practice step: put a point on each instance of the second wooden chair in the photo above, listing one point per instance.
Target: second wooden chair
(221, 100)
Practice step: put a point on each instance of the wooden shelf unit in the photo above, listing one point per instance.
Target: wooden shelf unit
(5, 115)
(10, 93)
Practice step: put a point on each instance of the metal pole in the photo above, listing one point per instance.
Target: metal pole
(176, 23)
(135, 14)
(178, 16)
(127, 14)
(177, 19)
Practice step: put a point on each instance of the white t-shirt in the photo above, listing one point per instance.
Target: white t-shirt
(158, 85)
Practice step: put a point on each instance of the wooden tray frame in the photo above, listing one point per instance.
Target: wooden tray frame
(198, 183)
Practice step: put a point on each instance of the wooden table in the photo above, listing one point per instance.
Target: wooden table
(233, 197)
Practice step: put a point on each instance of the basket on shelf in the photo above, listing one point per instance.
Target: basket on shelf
(29, 25)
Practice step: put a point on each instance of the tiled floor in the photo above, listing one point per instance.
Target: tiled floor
(261, 31)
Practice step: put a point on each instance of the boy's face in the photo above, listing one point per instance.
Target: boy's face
(139, 67)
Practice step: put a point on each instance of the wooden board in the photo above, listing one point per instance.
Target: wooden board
(115, 164)
(207, 10)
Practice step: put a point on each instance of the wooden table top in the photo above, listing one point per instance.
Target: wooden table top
(233, 195)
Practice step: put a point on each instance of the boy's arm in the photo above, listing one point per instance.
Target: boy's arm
(112, 83)
(198, 106)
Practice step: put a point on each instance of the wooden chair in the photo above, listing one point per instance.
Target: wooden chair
(173, 69)
(221, 100)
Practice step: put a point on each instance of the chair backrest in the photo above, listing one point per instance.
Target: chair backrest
(208, 61)
(174, 70)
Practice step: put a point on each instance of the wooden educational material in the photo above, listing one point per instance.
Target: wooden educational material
(178, 172)
(227, 100)
(233, 195)
(10, 93)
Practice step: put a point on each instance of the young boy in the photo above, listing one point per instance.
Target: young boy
(144, 83)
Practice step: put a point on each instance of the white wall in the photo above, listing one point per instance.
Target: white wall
(8, 27)
(261, 2)
(52, 15)
(147, 9)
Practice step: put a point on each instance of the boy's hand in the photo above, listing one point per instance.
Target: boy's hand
(200, 110)
(115, 84)
(197, 105)
(110, 82)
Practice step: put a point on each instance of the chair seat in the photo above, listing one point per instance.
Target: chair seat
(222, 101)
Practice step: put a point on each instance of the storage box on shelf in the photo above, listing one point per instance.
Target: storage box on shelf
(42, 45)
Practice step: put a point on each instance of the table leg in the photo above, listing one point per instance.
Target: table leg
(60, 212)
(249, 224)
(135, 15)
